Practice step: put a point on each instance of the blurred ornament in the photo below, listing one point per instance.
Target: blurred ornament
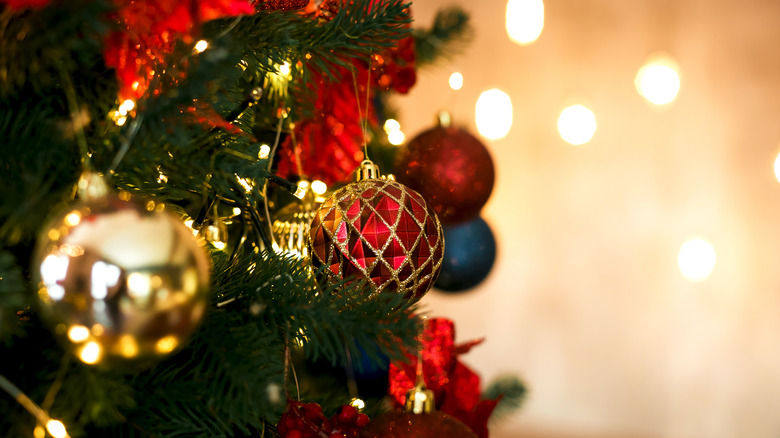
(121, 280)
(292, 223)
(306, 420)
(279, 5)
(419, 419)
(378, 230)
(469, 257)
(455, 386)
(450, 168)
(407, 424)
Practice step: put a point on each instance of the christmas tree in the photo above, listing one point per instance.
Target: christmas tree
(155, 275)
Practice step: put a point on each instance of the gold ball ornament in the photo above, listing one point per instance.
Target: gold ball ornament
(380, 231)
(119, 281)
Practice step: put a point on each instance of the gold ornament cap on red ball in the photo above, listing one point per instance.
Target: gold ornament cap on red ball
(381, 231)
(418, 420)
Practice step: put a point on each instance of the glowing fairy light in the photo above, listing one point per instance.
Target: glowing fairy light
(524, 20)
(201, 45)
(577, 124)
(90, 353)
(494, 114)
(56, 429)
(658, 81)
(264, 152)
(391, 125)
(396, 138)
(696, 259)
(285, 68)
(319, 187)
(456, 81)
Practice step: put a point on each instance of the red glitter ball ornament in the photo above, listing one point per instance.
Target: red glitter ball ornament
(408, 424)
(451, 169)
(378, 230)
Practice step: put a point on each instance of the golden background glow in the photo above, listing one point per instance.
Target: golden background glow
(586, 300)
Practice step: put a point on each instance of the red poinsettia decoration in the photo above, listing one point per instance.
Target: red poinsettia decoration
(306, 420)
(149, 29)
(335, 131)
(456, 387)
(23, 4)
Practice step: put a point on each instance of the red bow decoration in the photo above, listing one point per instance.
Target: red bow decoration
(455, 386)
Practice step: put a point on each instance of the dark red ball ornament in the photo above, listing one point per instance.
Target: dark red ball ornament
(411, 425)
(450, 168)
(378, 230)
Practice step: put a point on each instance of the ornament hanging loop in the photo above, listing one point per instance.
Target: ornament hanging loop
(368, 170)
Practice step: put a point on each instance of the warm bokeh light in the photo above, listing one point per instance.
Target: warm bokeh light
(777, 167)
(696, 259)
(91, 353)
(456, 81)
(73, 218)
(494, 114)
(56, 429)
(78, 333)
(391, 125)
(285, 68)
(201, 45)
(357, 403)
(396, 138)
(524, 20)
(166, 344)
(658, 81)
(318, 187)
(264, 152)
(577, 124)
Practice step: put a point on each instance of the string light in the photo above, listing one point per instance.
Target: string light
(201, 45)
(395, 136)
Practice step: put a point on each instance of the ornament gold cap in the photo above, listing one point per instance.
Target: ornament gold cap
(91, 186)
(419, 400)
(368, 170)
(444, 119)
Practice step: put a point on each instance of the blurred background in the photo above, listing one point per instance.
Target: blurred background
(618, 327)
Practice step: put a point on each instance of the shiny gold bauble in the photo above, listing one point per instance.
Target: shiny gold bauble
(120, 281)
(291, 229)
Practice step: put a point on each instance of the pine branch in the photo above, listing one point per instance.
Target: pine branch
(511, 393)
(447, 36)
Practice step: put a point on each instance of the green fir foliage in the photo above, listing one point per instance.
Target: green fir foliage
(267, 315)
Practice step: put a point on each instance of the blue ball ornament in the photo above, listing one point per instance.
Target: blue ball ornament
(469, 253)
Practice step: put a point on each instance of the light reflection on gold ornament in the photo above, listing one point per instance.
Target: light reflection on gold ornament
(577, 124)
(696, 259)
(524, 20)
(658, 80)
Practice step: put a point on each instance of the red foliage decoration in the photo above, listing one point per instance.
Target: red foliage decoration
(335, 130)
(24, 4)
(306, 420)
(456, 387)
(149, 29)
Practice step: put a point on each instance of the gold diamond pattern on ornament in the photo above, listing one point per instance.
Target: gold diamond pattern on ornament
(379, 230)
